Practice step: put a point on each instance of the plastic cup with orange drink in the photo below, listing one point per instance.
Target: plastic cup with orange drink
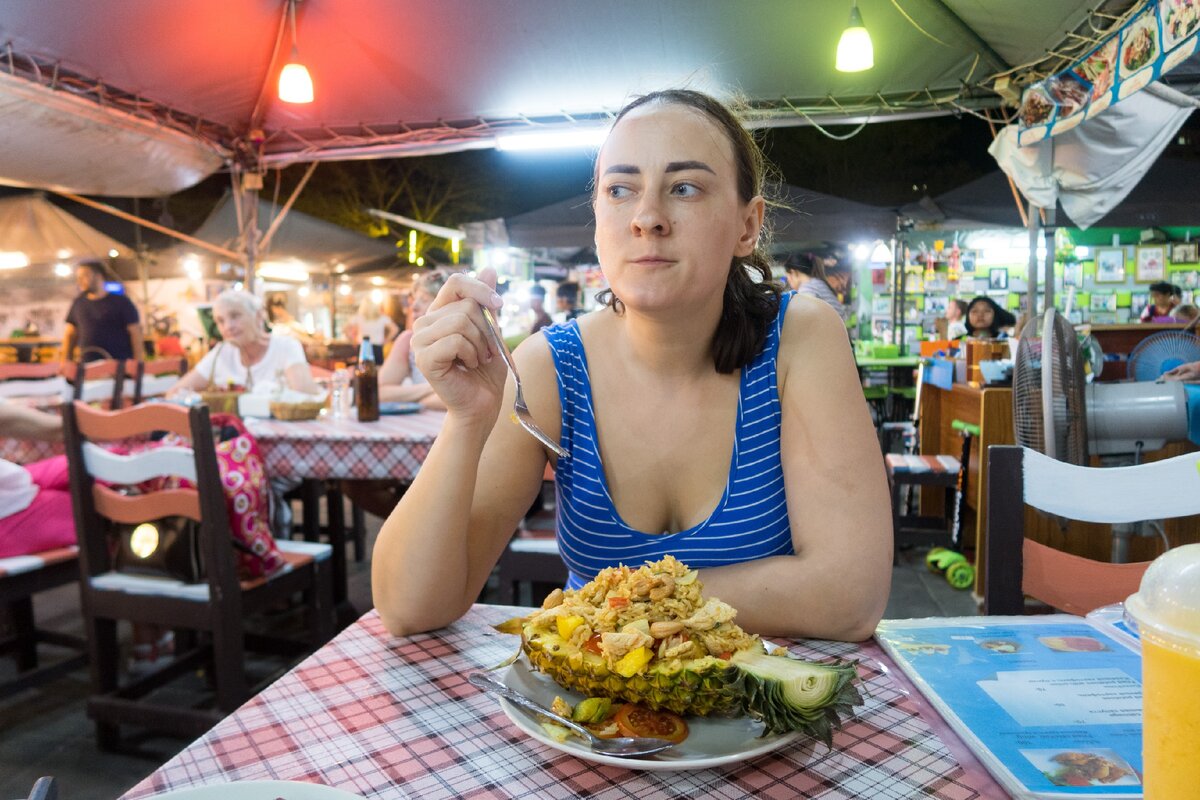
(1166, 614)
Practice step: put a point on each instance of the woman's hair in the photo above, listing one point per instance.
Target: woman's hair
(1162, 287)
(369, 309)
(1000, 317)
(239, 299)
(750, 305)
(1186, 312)
(431, 282)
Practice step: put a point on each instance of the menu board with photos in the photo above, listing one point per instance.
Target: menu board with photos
(1160, 37)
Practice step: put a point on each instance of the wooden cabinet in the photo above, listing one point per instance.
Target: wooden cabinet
(991, 410)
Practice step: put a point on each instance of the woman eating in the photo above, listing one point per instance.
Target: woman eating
(248, 356)
(698, 409)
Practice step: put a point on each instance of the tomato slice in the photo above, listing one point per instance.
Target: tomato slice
(618, 602)
(592, 645)
(636, 720)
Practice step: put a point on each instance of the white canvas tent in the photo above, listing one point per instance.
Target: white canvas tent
(45, 234)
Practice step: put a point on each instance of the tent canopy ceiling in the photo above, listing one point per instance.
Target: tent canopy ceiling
(405, 77)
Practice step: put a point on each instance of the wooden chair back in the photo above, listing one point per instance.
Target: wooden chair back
(31, 380)
(95, 472)
(93, 381)
(1017, 566)
(152, 378)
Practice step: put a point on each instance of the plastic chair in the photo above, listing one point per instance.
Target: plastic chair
(212, 612)
(1017, 566)
(46, 788)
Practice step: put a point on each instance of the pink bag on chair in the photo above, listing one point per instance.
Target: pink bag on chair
(247, 494)
(247, 497)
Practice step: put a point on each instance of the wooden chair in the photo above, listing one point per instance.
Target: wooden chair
(532, 556)
(213, 609)
(22, 577)
(97, 381)
(1017, 566)
(33, 380)
(152, 378)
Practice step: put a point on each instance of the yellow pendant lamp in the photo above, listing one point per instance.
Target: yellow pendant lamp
(854, 51)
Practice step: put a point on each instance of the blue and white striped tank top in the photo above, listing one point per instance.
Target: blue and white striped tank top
(749, 522)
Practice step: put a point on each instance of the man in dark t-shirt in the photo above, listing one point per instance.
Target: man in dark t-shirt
(100, 322)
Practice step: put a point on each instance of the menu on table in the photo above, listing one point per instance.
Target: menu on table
(1052, 705)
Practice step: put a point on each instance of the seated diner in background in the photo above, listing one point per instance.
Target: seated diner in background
(371, 323)
(706, 414)
(1164, 297)
(248, 356)
(35, 499)
(400, 381)
(987, 320)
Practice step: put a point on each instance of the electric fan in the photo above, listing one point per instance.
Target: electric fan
(1056, 412)
(1160, 353)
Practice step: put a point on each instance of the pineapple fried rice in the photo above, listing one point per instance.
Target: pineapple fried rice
(657, 605)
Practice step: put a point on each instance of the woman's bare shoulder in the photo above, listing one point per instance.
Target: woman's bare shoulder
(813, 337)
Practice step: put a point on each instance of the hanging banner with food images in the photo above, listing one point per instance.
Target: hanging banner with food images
(1160, 37)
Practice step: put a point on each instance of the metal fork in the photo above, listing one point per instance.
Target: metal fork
(520, 410)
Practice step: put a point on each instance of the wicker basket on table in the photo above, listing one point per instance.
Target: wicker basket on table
(296, 411)
(219, 402)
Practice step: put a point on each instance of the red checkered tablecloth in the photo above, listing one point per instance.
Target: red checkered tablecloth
(387, 717)
(392, 447)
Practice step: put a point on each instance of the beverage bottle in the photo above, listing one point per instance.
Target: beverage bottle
(366, 378)
(339, 388)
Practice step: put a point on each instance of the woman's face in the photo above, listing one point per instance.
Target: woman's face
(668, 217)
(421, 300)
(1161, 300)
(236, 326)
(981, 316)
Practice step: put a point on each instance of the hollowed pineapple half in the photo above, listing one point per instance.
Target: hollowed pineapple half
(785, 692)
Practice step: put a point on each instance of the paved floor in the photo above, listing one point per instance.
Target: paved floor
(46, 732)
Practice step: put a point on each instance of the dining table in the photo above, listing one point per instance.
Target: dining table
(329, 448)
(383, 716)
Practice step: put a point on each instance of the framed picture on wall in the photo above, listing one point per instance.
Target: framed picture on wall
(1110, 265)
(881, 305)
(1151, 263)
(997, 279)
(1102, 302)
(1185, 252)
(1137, 302)
(1073, 275)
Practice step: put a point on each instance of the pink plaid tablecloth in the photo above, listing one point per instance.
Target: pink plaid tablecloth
(393, 447)
(393, 718)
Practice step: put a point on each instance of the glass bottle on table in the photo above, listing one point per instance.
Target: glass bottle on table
(366, 379)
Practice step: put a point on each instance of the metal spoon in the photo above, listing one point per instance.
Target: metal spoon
(625, 746)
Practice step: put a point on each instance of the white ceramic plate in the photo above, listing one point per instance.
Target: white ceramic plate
(711, 742)
(259, 790)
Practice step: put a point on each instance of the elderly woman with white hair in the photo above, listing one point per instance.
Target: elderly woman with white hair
(249, 356)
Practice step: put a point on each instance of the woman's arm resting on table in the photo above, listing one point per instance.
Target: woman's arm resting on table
(437, 549)
(837, 584)
(299, 377)
(27, 423)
